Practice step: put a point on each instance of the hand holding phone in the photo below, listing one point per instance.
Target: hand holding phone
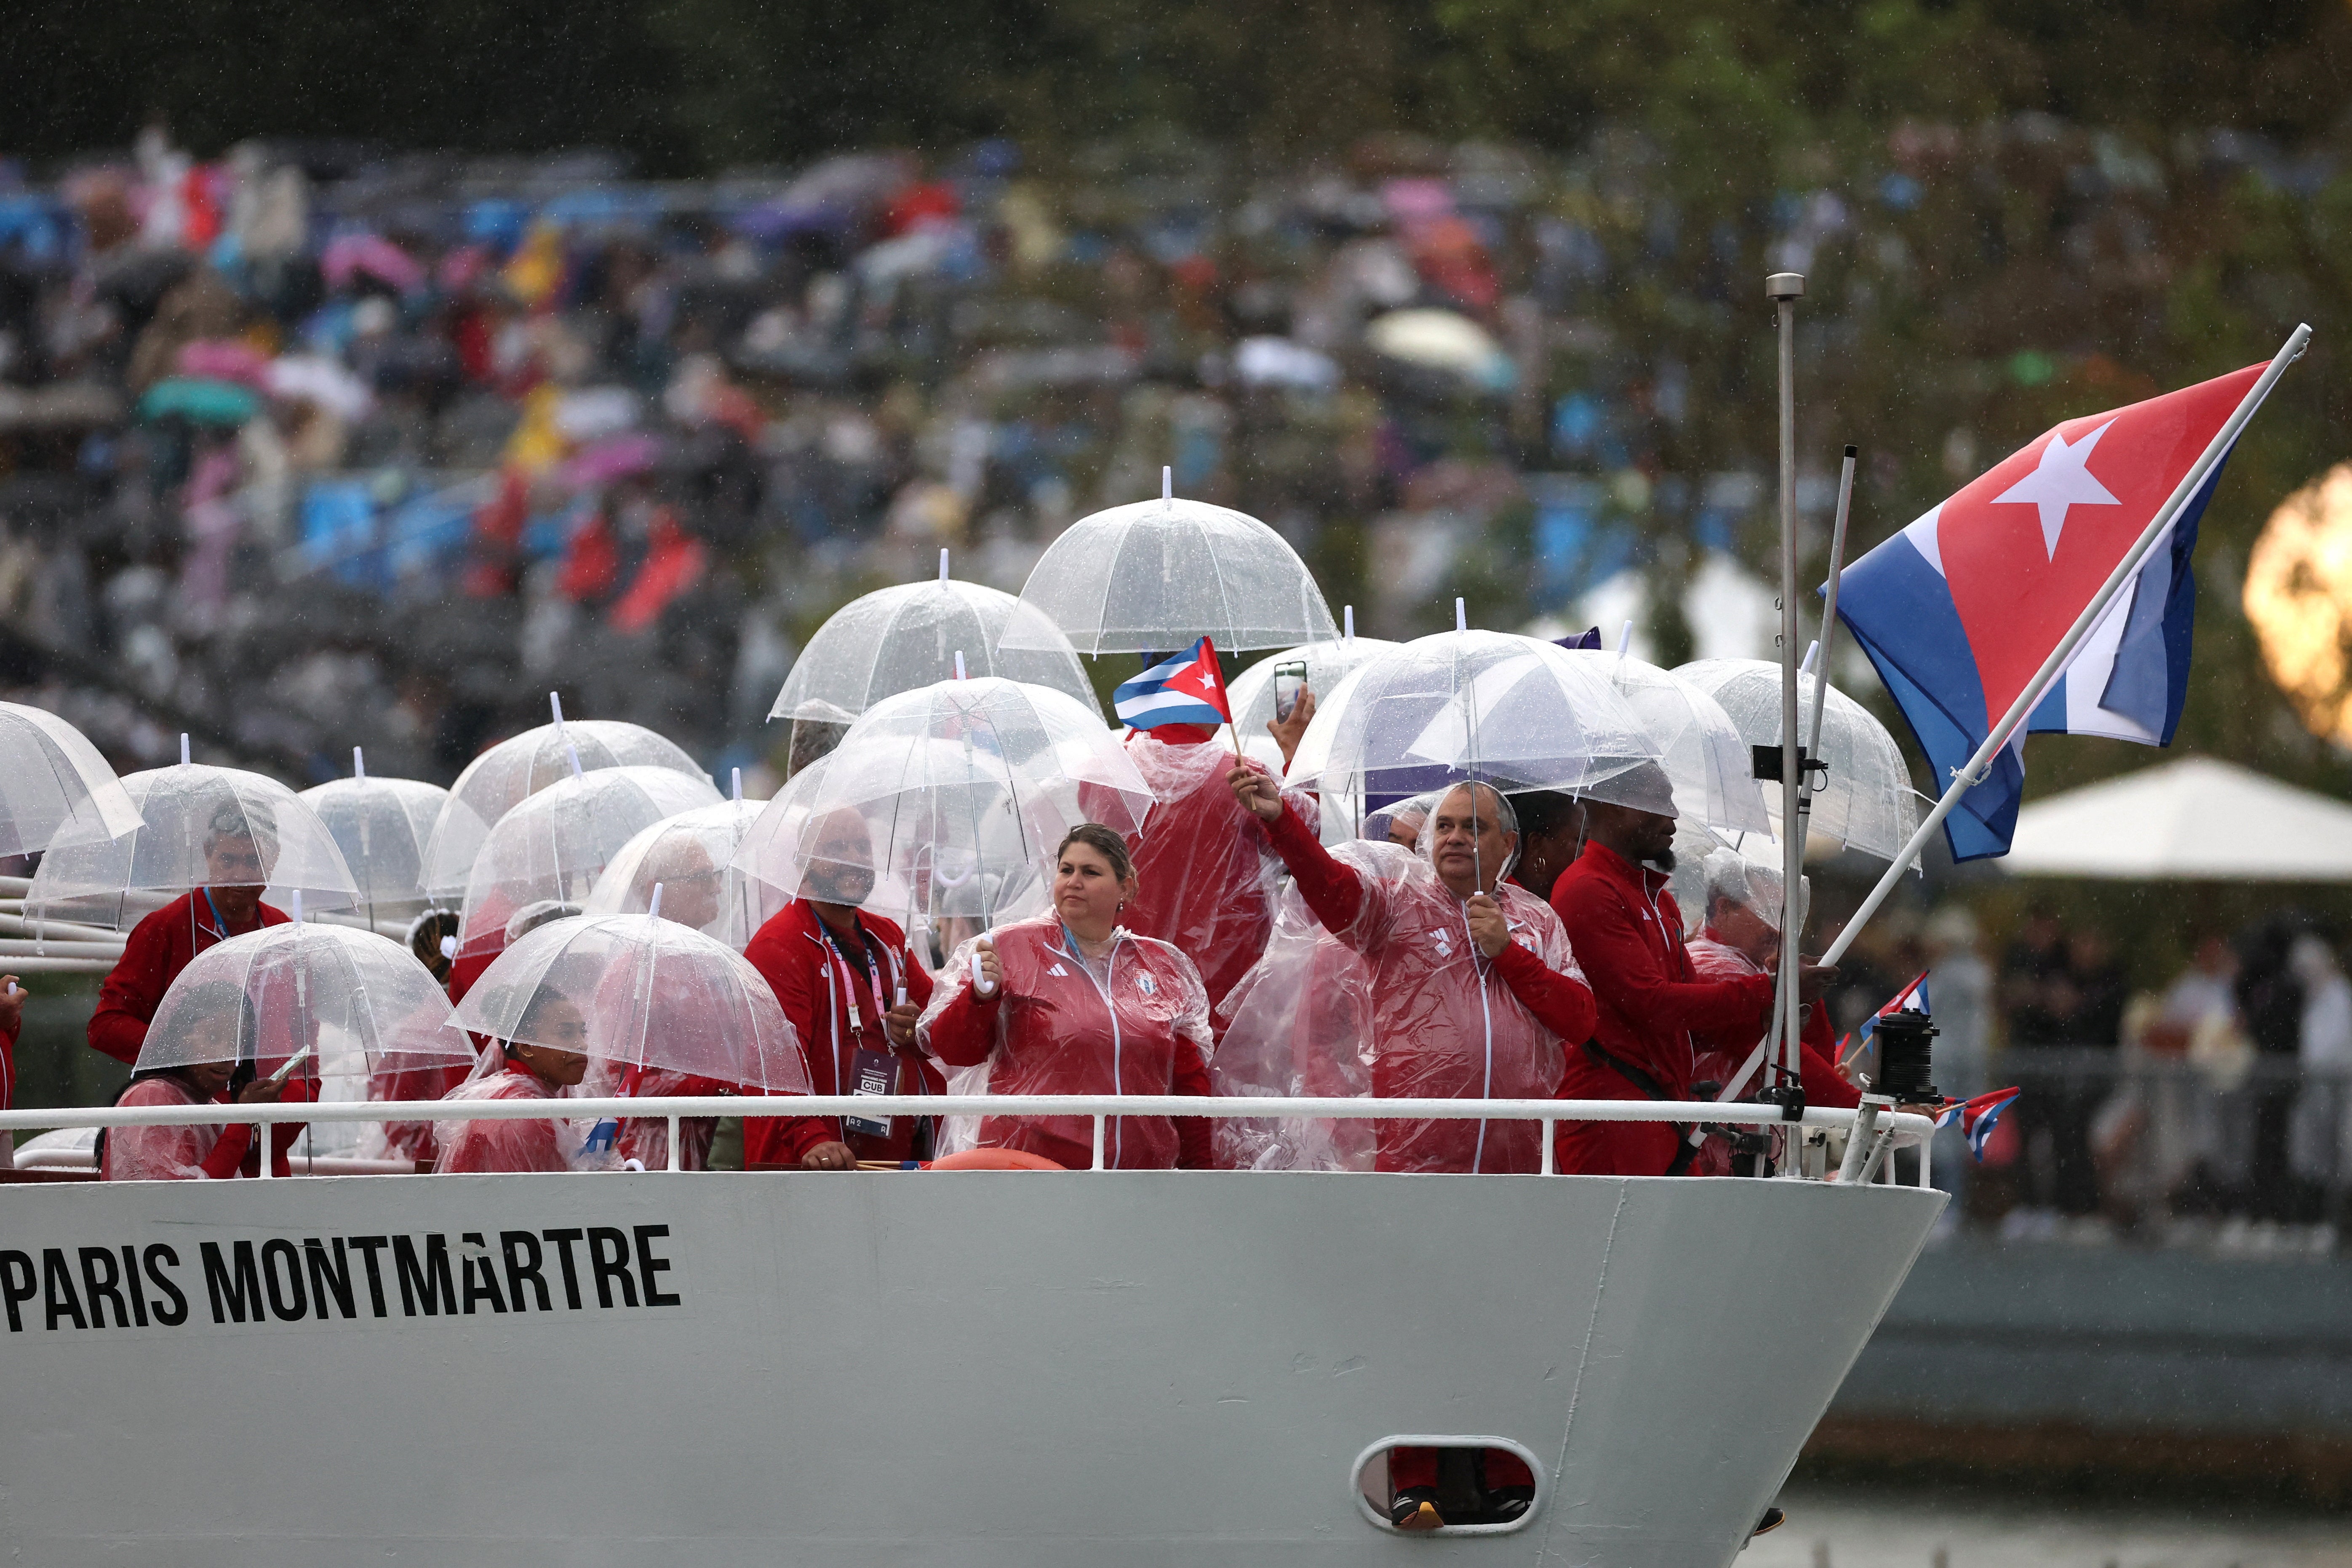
(1289, 681)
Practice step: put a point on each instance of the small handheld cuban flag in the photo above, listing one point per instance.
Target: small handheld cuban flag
(1976, 1117)
(1183, 688)
(1912, 998)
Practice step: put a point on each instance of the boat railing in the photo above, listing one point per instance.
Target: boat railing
(1896, 1130)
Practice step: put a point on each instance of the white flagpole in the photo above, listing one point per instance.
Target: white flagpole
(2053, 667)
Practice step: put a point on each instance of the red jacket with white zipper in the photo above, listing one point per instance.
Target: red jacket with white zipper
(1055, 1025)
(818, 990)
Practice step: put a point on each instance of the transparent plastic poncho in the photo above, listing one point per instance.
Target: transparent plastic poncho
(1065, 1026)
(203, 827)
(1703, 753)
(951, 800)
(1296, 1026)
(1156, 575)
(510, 1147)
(902, 638)
(651, 992)
(334, 1000)
(1509, 710)
(1205, 872)
(1867, 802)
(692, 857)
(1435, 1020)
(381, 826)
(53, 780)
(521, 767)
(556, 843)
(1748, 873)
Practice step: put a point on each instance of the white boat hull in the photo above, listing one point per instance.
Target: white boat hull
(985, 1369)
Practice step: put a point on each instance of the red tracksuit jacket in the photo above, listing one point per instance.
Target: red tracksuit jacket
(158, 948)
(1626, 932)
(815, 988)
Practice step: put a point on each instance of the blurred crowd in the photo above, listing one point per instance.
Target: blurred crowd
(310, 446)
(2216, 1108)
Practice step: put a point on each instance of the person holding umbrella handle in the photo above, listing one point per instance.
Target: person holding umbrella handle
(1071, 1002)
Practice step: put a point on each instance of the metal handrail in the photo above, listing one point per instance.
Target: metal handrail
(1907, 1129)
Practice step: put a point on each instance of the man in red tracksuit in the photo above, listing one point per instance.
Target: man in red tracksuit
(163, 944)
(837, 970)
(1626, 932)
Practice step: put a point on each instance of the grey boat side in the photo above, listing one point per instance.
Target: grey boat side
(1018, 1369)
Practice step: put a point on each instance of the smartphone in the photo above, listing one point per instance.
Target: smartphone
(1289, 681)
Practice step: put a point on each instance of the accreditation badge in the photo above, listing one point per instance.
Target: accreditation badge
(872, 1072)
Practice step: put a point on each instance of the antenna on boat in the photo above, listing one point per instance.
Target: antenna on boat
(1784, 290)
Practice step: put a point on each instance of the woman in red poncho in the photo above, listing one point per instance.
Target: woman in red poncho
(526, 1070)
(193, 1154)
(1740, 937)
(1072, 1003)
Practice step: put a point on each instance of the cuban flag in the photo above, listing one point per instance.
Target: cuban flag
(1912, 998)
(1183, 688)
(1976, 1117)
(1960, 610)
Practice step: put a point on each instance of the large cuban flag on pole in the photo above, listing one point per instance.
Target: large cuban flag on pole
(2049, 557)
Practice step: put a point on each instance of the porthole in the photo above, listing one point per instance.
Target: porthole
(1475, 1485)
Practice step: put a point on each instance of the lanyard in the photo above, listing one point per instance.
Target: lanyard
(220, 924)
(849, 990)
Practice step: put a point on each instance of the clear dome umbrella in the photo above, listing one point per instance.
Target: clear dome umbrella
(1866, 803)
(521, 767)
(692, 859)
(202, 826)
(897, 640)
(557, 843)
(51, 780)
(1706, 757)
(1156, 575)
(951, 800)
(335, 1000)
(331, 1003)
(1505, 709)
(382, 826)
(770, 849)
(653, 994)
